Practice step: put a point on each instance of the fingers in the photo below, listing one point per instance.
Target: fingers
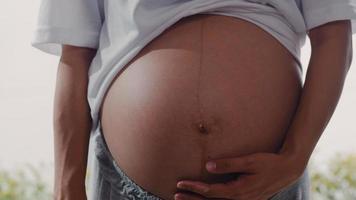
(234, 165)
(260, 174)
(184, 196)
(244, 187)
(194, 186)
(217, 190)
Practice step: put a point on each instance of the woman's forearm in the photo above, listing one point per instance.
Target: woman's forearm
(328, 67)
(72, 123)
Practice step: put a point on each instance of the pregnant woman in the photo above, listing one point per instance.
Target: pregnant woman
(164, 87)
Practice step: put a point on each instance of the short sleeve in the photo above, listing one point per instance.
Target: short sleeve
(72, 22)
(318, 12)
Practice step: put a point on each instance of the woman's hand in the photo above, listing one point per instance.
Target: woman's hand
(264, 174)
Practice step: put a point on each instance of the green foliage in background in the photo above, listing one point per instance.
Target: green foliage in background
(334, 180)
(25, 183)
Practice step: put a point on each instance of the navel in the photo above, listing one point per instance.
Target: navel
(202, 128)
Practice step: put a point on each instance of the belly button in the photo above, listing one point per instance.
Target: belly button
(202, 128)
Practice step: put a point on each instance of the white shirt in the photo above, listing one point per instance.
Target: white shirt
(119, 29)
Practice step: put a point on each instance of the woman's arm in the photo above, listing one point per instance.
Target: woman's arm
(72, 123)
(329, 63)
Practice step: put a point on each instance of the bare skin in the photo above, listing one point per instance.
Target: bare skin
(71, 123)
(72, 118)
(268, 173)
(224, 73)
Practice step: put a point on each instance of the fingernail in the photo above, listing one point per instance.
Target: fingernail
(211, 165)
(177, 197)
(182, 185)
(203, 188)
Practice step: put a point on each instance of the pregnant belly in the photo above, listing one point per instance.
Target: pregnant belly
(210, 86)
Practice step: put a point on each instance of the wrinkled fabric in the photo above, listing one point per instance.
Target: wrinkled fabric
(113, 183)
(119, 29)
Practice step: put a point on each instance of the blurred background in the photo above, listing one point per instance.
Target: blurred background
(27, 83)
